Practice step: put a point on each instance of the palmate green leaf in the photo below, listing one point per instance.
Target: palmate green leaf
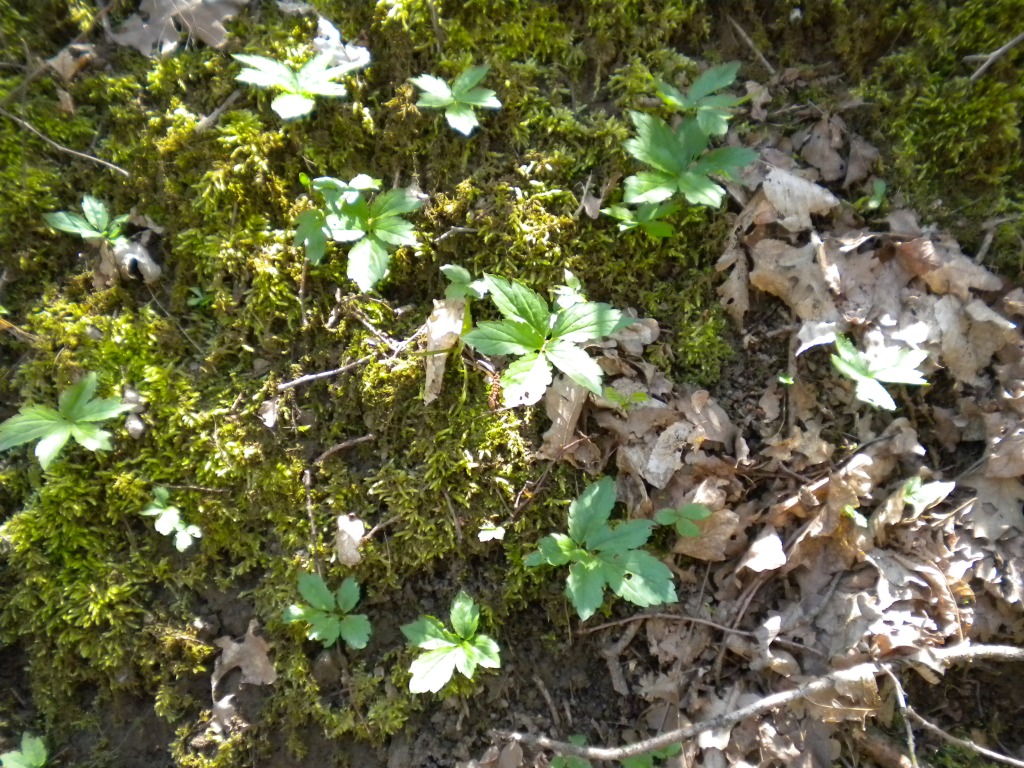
(463, 286)
(587, 321)
(507, 337)
(31, 755)
(629, 534)
(484, 98)
(462, 118)
(525, 380)
(683, 517)
(469, 78)
(73, 399)
(394, 230)
(589, 513)
(488, 654)
(290, 106)
(585, 586)
(355, 630)
(428, 634)
(518, 302)
(700, 190)
(575, 363)
(725, 161)
(433, 669)
(394, 203)
(91, 437)
(368, 263)
(186, 537)
(714, 79)
(465, 616)
(32, 422)
(311, 231)
(553, 549)
(315, 592)
(645, 580)
(649, 187)
(65, 221)
(315, 76)
(347, 595)
(266, 73)
(324, 627)
(49, 446)
(95, 213)
(436, 93)
(657, 145)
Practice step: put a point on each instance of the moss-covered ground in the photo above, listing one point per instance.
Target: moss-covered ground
(98, 613)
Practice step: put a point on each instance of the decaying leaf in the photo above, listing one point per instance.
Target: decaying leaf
(71, 60)
(349, 536)
(945, 269)
(444, 327)
(249, 656)
(998, 507)
(563, 403)
(821, 148)
(123, 260)
(154, 30)
(796, 199)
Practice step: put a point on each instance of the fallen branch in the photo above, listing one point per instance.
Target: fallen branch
(750, 44)
(928, 725)
(343, 446)
(945, 656)
(311, 377)
(997, 54)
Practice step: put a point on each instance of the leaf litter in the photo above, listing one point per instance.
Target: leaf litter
(838, 533)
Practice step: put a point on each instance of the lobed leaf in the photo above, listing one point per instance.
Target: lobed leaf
(462, 118)
(517, 302)
(266, 73)
(431, 670)
(468, 79)
(347, 595)
(507, 337)
(315, 592)
(32, 422)
(465, 616)
(290, 106)
(586, 321)
(714, 79)
(589, 513)
(525, 380)
(355, 630)
(575, 363)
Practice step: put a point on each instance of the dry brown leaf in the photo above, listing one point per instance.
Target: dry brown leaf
(716, 532)
(998, 505)
(248, 655)
(444, 326)
(766, 553)
(863, 157)
(71, 60)
(348, 538)
(639, 334)
(735, 291)
(709, 417)
(794, 276)
(971, 335)
(758, 98)
(563, 403)
(944, 268)
(666, 455)
(1006, 459)
(796, 199)
(820, 149)
(153, 31)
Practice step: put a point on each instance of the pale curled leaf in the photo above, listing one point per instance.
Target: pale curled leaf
(349, 536)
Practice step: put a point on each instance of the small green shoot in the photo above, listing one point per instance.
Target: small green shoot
(921, 496)
(875, 200)
(444, 651)
(300, 87)
(75, 416)
(681, 161)
(96, 224)
(329, 614)
(684, 518)
(648, 216)
(605, 556)
(168, 520)
(700, 101)
(564, 296)
(647, 759)
(894, 365)
(459, 100)
(199, 299)
(461, 284)
(373, 228)
(542, 339)
(31, 755)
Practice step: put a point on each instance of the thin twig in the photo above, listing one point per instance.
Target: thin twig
(314, 536)
(343, 446)
(311, 377)
(901, 699)
(197, 488)
(211, 119)
(32, 129)
(556, 721)
(379, 527)
(667, 617)
(174, 320)
(456, 231)
(750, 44)
(965, 743)
(946, 656)
(993, 57)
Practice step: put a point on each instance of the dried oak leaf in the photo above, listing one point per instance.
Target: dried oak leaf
(944, 268)
(249, 656)
(998, 507)
(820, 149)
(563, 403)
(155, 30)
(794, 275)
(796, 198)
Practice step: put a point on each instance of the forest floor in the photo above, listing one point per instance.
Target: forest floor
(815, 415)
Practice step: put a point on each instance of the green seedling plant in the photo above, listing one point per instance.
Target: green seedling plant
(564, 296)
(682, 162)
(444, 652)
(602, 556)
(95, 223)
(76, 415)
(649, 217)
(647, 759)
(329, 614)
(460, 100)
(31, 755)
(372, 227)
(461, 284)
(710, 109)
(542, 339)
(893, 365)
(168, 520)
(300, 87)
(684, 518)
